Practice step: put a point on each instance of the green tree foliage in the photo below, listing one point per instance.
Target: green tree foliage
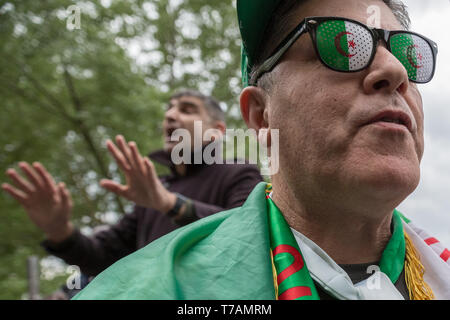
(64, 91)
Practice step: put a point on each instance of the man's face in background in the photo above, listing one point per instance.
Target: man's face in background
(182, 113)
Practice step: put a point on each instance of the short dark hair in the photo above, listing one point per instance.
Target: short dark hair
(212, 106)
(281, 24)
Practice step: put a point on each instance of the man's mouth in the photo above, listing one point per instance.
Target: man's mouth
(169, 132)
(391, 116)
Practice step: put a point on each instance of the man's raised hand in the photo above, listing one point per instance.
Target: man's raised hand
(49, 205)
(143, 186)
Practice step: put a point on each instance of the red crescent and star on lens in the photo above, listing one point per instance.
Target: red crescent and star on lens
(337, 43)
(409, 54)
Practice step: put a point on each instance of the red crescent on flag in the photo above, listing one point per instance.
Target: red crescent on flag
(409, 56)
(337, 43)
(296, 265)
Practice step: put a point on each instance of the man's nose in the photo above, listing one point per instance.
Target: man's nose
(171, 115)
(386, 74)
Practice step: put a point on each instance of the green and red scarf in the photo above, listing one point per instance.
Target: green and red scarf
(293, 280)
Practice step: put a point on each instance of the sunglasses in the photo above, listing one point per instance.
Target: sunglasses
(347, 45)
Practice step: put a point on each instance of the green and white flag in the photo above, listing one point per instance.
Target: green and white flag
(415, 54)
(344, 45)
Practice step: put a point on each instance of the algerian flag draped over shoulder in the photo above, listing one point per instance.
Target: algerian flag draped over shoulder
(226, 256)
(344, 45)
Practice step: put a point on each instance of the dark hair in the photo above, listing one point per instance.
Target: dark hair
(282, 22)
(211, 105)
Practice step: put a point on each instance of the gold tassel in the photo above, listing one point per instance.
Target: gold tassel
(275, 280)
(414, 270)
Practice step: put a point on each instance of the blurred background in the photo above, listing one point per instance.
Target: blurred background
(67, 85)
(64, 91)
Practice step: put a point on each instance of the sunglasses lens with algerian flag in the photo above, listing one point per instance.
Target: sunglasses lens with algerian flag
(343, 45)
(416, 55)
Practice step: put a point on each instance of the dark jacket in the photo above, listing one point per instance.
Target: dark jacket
(211, 188)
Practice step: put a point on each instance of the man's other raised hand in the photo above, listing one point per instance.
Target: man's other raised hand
(143, 186)
(48, 204)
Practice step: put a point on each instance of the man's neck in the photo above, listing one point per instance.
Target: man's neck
(349, 235)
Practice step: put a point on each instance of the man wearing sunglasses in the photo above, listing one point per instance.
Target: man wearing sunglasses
(344, 97)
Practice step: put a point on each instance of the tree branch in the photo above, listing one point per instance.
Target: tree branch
(20, 92)
(76, 102)
(76, 121)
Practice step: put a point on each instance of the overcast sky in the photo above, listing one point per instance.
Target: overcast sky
(429, 205)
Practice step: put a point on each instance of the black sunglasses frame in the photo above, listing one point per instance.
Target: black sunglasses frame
(310, 25)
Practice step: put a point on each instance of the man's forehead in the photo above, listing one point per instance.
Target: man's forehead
(186, 100)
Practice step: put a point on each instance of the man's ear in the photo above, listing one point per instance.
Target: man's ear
(253, 101)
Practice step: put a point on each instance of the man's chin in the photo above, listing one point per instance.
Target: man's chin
(393, 178)
(169, 145)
